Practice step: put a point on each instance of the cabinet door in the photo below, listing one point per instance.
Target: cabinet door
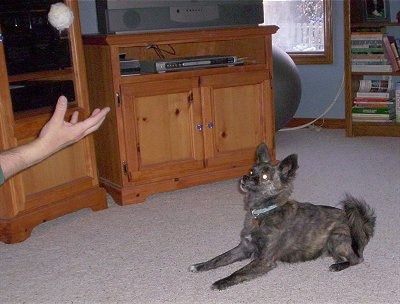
(161, 135)
(236, 110)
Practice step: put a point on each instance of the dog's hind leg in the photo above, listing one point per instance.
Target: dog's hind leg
(340, 248)
(252, 270)
(236, 254)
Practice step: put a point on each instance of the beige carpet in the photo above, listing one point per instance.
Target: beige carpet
(140, 253)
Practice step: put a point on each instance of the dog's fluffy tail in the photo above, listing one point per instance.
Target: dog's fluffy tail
(361, 219)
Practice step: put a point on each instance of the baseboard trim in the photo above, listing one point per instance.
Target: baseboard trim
(327, 123)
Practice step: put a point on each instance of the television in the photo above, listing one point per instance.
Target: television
(125, 16)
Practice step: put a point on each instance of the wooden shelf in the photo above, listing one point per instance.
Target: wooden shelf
(52, 74)
(373, 24)
(376, 129)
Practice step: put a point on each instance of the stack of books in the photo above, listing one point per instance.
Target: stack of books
(374, 101)
(374, 52)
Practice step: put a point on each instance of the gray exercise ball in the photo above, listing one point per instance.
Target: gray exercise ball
(287, 87)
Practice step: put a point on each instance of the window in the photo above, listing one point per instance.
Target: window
(305, 31)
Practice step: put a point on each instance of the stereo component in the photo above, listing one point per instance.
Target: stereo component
(129, 67)
(187, 63)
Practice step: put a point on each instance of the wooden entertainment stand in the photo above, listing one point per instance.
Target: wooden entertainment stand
(179, 129)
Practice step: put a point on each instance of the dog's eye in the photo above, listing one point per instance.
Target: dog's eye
(251, 173)
(265, 176)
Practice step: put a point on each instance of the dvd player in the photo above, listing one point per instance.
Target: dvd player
(187, 63)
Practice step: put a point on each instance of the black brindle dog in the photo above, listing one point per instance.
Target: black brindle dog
(277, 228)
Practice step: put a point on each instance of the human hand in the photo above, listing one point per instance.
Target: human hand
(58, 133)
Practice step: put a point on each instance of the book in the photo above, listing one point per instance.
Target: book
(368, 50)
(366, 34)
(397, 101)
(373, 99)
(395, 51)
(373, 85)
(386, 95)
(366, 119)
(373, 102)
(372, 117)
(370, 61)
(389, 51)
(367, 29)
(363, 110)
(374, 105)
(369, 57)
(371, 68)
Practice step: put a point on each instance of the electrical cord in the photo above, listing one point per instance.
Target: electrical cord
(160, 52)
(322, 115)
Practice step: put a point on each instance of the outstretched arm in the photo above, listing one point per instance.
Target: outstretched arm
(55, 135)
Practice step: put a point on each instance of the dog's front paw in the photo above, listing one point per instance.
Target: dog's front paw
(193, 268)
(339, 266)
(196, 267)
(221, 284)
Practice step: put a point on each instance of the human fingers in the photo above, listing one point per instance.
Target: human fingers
(95, 111)
(60, 110)
(94, 127)
(94, 121)
(74, 117)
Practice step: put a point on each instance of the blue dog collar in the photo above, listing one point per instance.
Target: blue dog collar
(258, 212)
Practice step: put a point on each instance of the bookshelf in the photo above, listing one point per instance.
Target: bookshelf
(354, 23)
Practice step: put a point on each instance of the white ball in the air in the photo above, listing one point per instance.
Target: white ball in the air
(60, 16)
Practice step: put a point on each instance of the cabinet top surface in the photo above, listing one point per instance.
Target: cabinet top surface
(180, 36)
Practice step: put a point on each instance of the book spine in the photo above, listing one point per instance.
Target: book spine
(373, 100)
(387, 40)
(397, 101)
(395, 52)
(371, 68)
(371, 94)
(367, 50)
(374, 85)
(368, 57)
(362, 110)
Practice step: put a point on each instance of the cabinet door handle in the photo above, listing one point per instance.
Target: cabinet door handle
(210, 125)
(199, 127)
(117, 99)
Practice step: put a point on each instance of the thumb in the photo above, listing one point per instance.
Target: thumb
(61, 109)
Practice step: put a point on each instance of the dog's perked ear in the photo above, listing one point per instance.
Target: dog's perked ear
(288, 167)
(262, 153)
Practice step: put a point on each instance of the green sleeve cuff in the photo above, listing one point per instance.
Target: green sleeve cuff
(1, 176)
